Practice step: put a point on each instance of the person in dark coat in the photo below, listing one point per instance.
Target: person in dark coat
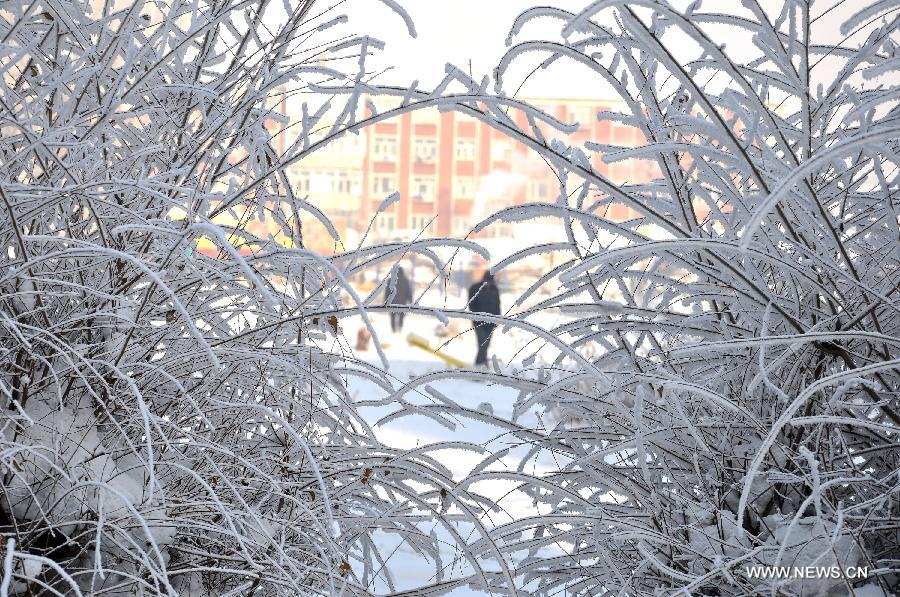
(484, 297)
(398, 292)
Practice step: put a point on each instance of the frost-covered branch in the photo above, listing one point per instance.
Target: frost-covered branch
(175, 414)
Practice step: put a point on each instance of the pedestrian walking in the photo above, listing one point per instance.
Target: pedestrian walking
(484, 297)
(398, 292)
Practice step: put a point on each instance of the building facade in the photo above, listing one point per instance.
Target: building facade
(449, 170)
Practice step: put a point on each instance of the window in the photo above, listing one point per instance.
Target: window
(383, 184)
(465, 150)
(425, 150)
(385, 149)
(386, 222)
(419, 223)
(540, 189)
(303, 183)
(343, 182)
(346, 182)
(464, 187)
(423, 187)
(460, 225)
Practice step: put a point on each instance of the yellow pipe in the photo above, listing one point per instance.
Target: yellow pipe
(420, 342)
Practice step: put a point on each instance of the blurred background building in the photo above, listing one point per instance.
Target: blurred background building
(450, 171)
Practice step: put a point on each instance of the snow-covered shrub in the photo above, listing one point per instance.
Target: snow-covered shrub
(175, 421)
(173, 412)
(742, 407)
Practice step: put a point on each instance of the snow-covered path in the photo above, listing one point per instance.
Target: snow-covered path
(413, 431)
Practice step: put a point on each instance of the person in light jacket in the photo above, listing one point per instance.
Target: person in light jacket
(484, 297)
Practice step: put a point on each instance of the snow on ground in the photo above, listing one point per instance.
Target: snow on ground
(407, 363)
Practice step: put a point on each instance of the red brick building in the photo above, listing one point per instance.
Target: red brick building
(450, 170)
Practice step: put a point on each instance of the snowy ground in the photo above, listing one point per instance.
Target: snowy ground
(408, 362)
